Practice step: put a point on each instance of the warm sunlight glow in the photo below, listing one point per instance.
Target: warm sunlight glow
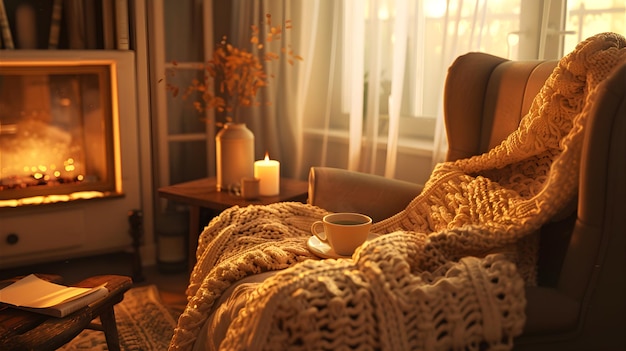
(383, 12)
(435, 9)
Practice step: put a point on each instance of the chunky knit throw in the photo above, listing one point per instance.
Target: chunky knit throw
(448, 272)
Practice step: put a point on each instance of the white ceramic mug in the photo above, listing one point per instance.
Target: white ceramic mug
(343, 232)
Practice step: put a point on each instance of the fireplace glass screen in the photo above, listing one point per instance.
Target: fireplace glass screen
(56, 131)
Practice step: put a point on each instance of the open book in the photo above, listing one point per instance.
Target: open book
(37, 295)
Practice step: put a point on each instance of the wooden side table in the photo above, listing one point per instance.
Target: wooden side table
(23, 330)
(203, 193)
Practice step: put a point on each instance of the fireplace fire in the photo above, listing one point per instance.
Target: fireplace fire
(57, 136)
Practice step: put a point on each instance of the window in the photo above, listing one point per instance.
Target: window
(431, 33)
(439, 31)
(434, 35)
(586, 18)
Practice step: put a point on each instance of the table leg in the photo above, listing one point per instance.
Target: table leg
(194, 233)
(110, 329)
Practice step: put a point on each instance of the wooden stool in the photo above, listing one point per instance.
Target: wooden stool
(22, 330)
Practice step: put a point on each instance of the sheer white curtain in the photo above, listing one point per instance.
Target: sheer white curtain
(278, 125)
(370, 85)
(379, 74)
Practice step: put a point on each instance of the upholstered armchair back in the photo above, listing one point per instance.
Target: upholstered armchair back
(485, 98)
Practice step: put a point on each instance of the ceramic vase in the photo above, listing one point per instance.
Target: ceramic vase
(234, 147)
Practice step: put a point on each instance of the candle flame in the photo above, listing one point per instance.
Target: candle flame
(267, 156)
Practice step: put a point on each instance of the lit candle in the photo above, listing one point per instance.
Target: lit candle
(268, 173)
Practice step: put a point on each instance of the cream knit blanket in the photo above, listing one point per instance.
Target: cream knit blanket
(447, 274)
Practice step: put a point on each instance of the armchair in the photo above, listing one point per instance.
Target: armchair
(446, 270)
(580, 300)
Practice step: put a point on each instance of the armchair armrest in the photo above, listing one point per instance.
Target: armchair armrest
(340, 190)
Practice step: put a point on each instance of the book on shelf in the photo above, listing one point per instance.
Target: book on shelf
(34, 294)
(65, 24)
(121, 25)
(7, 38)
(108, 24)
(75, 21)
(55, 25)
(92, 10)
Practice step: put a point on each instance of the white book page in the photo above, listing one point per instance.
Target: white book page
(32, 291)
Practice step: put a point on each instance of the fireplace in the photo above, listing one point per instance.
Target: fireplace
(69, 153)
(56, 133)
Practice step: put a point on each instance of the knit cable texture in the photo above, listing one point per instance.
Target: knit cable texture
(448, 272)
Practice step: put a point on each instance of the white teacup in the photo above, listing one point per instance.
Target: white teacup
(343, 232)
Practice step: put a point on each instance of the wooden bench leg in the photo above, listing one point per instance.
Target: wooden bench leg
(110, 329)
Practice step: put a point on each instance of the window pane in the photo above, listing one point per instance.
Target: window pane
(188, 161)
(437, 32)
(587, 18)
(183, 117)
(184, 34)
(460, 28)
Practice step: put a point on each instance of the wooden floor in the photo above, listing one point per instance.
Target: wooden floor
(172, 286)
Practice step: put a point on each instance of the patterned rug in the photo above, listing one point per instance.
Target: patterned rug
(143, 323)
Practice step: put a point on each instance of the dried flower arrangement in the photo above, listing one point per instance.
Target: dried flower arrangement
(238, 72)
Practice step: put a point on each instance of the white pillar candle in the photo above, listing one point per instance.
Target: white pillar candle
(268, 172)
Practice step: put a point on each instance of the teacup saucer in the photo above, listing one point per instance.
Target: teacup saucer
(323, 250)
